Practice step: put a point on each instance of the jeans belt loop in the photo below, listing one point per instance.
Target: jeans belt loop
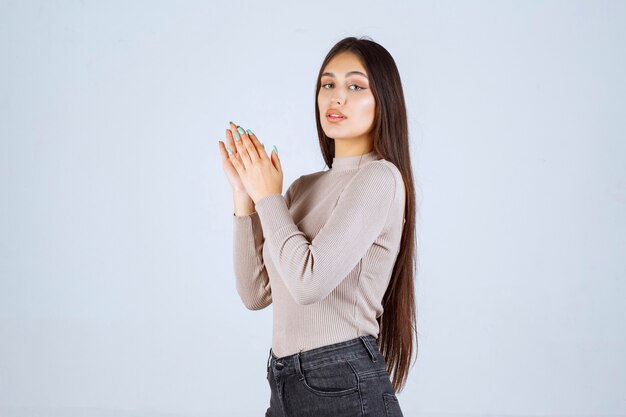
(296, 363)
(368, 347)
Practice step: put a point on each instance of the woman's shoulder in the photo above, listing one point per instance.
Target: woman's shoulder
(383, 173)
(388, 164)
(382, 170)
(307, 178)
(379, 172)
(303, 182)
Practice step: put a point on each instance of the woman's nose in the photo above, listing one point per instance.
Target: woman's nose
(336, 99)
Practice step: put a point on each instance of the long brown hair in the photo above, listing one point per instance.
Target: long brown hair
(391, 141)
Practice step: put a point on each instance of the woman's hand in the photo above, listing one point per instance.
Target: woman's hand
(260, 174)
(229, 168)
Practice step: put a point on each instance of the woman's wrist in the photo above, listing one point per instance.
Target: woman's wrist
(244, 205)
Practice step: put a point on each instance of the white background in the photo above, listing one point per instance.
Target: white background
(117, 294)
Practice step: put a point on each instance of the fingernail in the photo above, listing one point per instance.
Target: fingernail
(275, 150)
(229, 150)
(249, 132)
(240, 130)
(236, 136)
(232, 123)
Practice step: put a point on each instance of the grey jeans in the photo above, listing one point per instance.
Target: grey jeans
(346, 379)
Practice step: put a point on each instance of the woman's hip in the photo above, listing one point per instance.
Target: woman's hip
(343, 379)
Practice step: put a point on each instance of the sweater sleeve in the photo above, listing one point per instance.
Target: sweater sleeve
(252, 280)
(311, 270)
(251, 276)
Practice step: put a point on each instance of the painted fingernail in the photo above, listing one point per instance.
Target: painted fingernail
(249, 132)
(233, 123)
(275, 150)
(236, 135)
(240, 130)
(229, 150)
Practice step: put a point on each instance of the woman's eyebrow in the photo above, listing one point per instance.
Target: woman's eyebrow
(330, 74)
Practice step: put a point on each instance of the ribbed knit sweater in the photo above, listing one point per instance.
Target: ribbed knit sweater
(323, 254)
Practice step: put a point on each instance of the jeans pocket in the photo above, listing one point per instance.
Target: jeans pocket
(392, 405)
(333, 379)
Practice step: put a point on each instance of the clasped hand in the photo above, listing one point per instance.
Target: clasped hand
(260, 174)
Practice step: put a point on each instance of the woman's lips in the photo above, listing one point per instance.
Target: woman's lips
(334, 119)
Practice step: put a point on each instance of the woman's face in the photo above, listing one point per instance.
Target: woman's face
(344, 89)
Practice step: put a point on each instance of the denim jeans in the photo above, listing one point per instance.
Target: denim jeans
(343, 379)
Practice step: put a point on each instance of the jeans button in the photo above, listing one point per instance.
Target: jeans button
(279, 365)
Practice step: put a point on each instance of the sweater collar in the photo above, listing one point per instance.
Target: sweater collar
(353, 162)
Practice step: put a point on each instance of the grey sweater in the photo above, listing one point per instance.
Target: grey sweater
(323, 254)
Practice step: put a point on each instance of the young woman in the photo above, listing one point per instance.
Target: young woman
(335, 255)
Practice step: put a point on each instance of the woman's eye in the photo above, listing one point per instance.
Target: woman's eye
(358, 88)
